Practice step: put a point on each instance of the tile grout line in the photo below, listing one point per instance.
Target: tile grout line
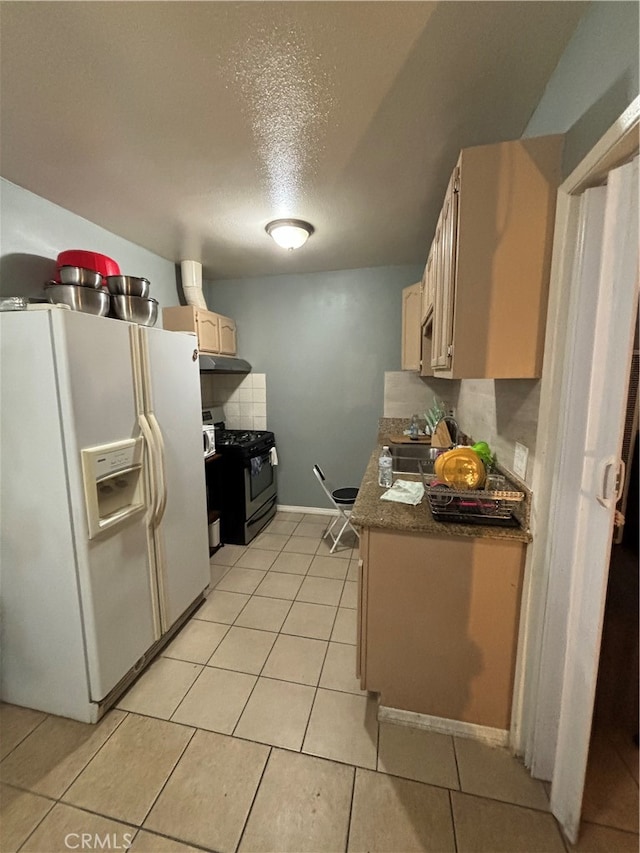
(315, 693)
(59, 799)
(453, 820)
(509, 803)
(124, 822)
(411, 779)
(24, 790)
(29, 733)
(169, 775)
(455, 758)
(177, 708)
(279, 633)
(39, 823)
(353, 791)
(610, 826)
(69, 805)
(258, 676)
(97, 752)
(253, 799)
(121, 820)
(174, 838)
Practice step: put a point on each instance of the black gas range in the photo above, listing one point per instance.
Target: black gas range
(243, 442)
(242, 483)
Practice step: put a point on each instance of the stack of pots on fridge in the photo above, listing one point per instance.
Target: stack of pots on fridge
(91, 282)
(79, 281)
(130, 299)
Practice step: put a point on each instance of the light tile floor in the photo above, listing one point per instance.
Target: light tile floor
(250, 733)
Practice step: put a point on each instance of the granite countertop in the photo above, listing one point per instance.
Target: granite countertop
(370, 511)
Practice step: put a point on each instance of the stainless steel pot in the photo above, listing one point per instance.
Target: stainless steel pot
(80, 276)
(128, 285)
(135, 309)
(79, 298)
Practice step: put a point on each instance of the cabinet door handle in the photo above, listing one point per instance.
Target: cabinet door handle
(610, 493)
(622, 469)
(603, 497)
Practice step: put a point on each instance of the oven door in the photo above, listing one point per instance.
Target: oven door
(254, 525)
(260, 482)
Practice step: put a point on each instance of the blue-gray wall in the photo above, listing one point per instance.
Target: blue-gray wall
(594, 82)
(324, 341)
(33, 231)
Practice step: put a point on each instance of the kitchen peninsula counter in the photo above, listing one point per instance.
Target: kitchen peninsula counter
(370, 511)
(438, 612)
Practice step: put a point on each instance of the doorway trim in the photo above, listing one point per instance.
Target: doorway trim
(537, 694)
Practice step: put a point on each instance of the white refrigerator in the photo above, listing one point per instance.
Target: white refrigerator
(104, 545)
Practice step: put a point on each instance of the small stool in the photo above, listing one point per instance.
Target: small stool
(343, 500)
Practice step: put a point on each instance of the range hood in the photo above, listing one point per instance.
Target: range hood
(192, 288)
(223, 364)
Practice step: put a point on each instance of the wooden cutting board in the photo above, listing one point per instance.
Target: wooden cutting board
(405, 439)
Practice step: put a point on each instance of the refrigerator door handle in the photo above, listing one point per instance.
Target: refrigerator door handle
(162, 480)
(154, 497)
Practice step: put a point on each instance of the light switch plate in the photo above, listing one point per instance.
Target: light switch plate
(520, 458)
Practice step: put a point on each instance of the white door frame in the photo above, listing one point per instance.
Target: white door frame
(534, 733)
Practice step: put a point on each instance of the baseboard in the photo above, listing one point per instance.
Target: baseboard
(485, 734)
(308, 510)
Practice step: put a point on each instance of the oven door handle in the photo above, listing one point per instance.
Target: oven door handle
(265, 457)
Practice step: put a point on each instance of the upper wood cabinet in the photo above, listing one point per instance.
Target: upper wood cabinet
(216, 334)
(490, 262)
(411, 310)
(428, 285)
(208, 329)
(227, 335)
(444, 277)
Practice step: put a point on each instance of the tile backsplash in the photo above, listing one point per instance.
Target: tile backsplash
(243, 398)
(502, 412)
(406, 393)
(499, 411)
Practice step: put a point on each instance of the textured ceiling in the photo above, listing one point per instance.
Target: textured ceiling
(185, 127)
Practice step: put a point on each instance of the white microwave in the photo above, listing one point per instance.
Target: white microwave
(208, 440)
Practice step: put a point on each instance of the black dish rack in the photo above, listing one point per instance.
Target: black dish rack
(471, 506)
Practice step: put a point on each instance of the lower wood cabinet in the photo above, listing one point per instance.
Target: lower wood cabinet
(438, 623)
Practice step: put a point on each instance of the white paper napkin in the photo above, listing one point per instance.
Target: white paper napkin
(404, 492)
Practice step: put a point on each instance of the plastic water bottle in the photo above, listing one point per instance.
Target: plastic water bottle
(385, 462)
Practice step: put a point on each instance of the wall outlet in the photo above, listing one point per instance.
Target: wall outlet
(520, 458)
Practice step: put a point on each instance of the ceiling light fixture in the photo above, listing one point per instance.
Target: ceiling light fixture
(289, 233)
